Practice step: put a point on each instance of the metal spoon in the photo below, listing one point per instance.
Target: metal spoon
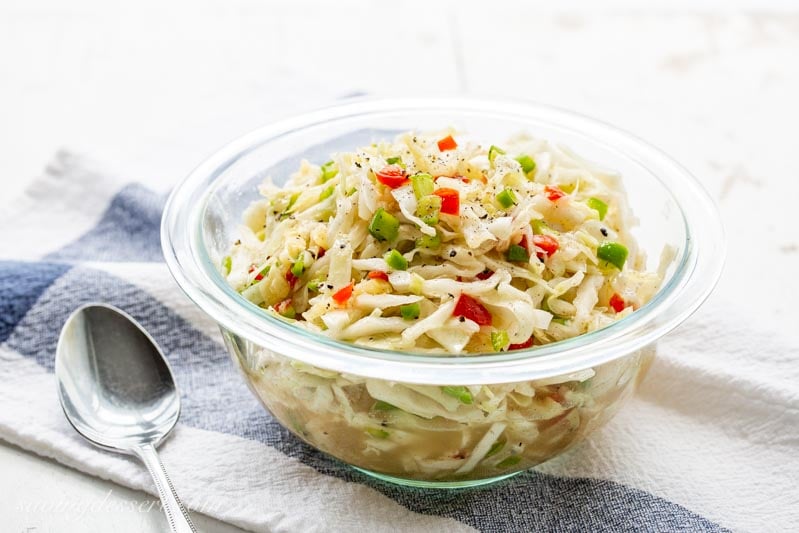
(117, 391)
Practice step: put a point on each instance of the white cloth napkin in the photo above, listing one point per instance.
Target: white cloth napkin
(710, 442)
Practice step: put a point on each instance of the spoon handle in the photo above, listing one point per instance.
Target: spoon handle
(176, 514)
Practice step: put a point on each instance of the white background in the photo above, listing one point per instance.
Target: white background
(150, 88)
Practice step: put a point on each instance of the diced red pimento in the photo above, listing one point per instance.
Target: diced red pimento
(291, 278)
(522, 345)
(377, 274)
(617, 303)
(553, 193)
(342, 295)
(470, 308)
(258, 277)
(392, 176)
(447, 143)
(485, 274)
(450, 201)
(321, 253)
(548, 244)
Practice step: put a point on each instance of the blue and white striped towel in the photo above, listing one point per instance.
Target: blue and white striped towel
(709, 444)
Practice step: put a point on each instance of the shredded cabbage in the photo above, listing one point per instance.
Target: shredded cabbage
(450, 253)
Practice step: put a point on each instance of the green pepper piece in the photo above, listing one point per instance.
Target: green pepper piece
(499, 340)
(428, 209)
(327, 193)
(460, 392)
(378, 433)
(410, 311)
(227, 264)
(509, 461)
(329, 171)
(395, 161)
(612, 252)
(298, 267)
(599, 206)
(292, 200)
(384, 226)
(517, 253)
(538, 226)
(288, 312)
(380, 405)
(429, 241)
(493, 152)
(314, 285)
(396, 260)
(527, 163)
(495, 448)
(423, 184)
(507, 198)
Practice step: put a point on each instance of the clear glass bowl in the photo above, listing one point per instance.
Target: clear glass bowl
(326, 392)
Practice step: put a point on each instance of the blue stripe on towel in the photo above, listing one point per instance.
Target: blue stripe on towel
(128, 230)
(216, 399)
(21, 284)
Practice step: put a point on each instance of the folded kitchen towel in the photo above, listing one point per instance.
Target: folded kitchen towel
(709, 443)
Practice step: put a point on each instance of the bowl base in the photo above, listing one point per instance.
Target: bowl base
(464, 484)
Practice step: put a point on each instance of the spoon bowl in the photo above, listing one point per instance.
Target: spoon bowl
(117, 391)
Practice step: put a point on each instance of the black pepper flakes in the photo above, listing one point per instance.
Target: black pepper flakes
(604, 232)
(453, 253)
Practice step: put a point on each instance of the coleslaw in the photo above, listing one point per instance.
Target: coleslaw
(437, 244)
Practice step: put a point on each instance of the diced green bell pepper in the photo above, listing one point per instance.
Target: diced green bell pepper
(384, 226)
(599, 206)
(428, 209)
(396, 260)
(612, 252)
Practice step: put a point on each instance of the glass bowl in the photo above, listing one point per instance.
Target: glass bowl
(330, 394)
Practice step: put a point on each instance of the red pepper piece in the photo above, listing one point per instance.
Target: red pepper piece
(342, 295)
(548, 244)
(522, 345)
(450, 201)
(485, 274)
(392, 176)
(447, 143)
(377, 274)
(472, 309)
(553, 193)
(617, 303)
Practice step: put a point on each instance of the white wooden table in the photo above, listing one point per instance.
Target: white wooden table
(151, 87)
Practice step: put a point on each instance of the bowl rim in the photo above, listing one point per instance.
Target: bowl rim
(696, 275)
